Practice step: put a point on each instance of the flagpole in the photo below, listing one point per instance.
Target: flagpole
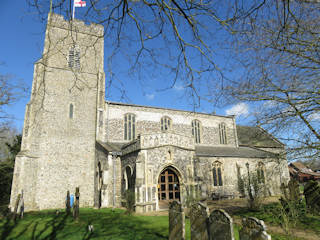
(73, 10)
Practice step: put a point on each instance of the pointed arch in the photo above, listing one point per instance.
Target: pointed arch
(169, 185)
(217, 173)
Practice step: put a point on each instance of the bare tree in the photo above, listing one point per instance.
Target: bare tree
(11, 90)
(280, 50)
(277, 45)
(175, 38)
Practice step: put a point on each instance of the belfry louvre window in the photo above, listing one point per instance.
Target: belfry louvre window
(74, 57)
(196, 126)
(129, 126)
(222, 133)
(217, 174)
(165, 123)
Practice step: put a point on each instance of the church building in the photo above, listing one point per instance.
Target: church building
(73, 138)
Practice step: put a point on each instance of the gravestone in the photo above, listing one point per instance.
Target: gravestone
(253, 229)
(68, 206)
(76, 205)
(220, 226)
(176, 221)
(199, 214)
(21, 205)
(312, 196)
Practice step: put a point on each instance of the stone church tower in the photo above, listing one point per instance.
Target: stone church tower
(61, 123)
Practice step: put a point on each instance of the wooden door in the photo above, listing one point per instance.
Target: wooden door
(168, 186)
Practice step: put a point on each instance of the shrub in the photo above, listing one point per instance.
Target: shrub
(129, 201)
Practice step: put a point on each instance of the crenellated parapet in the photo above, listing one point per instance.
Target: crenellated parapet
(166, 139)
(57, 20)
(148, 141)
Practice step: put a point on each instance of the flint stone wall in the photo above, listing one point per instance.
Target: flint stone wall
(64, 147)
(148, 121)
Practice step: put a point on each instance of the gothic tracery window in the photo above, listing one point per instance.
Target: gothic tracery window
(222, 133)
(165, 123)
(74, 57)
(129, 126)
(217, 174)
(196, 126)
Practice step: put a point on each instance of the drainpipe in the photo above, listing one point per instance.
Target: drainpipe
(107, 124)
(114, 179)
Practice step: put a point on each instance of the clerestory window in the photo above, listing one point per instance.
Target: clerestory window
(129, 126)
(196, 130)
(165, 123)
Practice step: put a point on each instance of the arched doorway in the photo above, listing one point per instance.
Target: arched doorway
(128, 178)
(168, 187)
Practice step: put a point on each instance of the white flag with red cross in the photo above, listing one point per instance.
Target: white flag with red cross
(79, 3)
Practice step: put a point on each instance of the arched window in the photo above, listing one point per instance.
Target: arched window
(196, 126)
(261, 173)
(165, 123)
(129, 126)
(217, 174)
(222, 133)
(71, 111)
(74, 57)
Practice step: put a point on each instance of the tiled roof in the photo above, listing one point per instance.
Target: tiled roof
(301, 168)
(111, 146)
(242, 152)
(208, 151)
(256, 137)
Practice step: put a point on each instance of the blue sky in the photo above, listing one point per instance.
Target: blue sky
(21, 45)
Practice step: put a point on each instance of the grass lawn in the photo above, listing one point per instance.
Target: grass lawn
(107, 224)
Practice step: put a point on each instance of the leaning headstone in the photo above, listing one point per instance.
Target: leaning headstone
(220, 226)
(199, 214)
(176, 221)
(76, 205)
(253, 229)
(312, 196)
(68, 206)
(21, 205)
(294, 191)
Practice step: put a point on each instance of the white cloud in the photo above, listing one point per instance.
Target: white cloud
(238, 110)
(178, 87)
(150, 96)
